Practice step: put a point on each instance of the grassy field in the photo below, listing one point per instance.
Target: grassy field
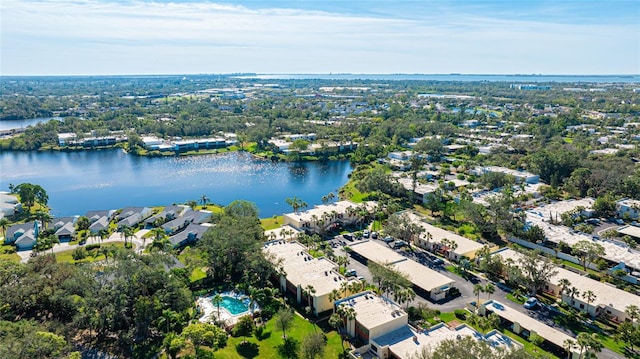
(271, 223)
(272, 338)
(351, 192)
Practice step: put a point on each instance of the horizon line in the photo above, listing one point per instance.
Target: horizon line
(327, 74)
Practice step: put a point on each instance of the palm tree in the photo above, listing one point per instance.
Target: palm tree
(309, 292)
(104, 234)
(296, 203)
(128, 233)
(4, 223)
(204, 200)
(568, 346)
(217, 300)
(44, 217)
(477, 289)
(333, 296)
(590, 297)
(344, 286)
(489, 289)
(573, 292)
(564, 286)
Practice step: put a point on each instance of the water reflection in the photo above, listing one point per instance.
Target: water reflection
(80, 181)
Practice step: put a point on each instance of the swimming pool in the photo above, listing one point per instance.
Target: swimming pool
(233, 305)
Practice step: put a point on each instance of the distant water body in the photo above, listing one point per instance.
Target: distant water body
(454, 77)
(17, 124)
(77, 182)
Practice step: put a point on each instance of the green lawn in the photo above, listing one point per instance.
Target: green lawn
(271, 223)
(528, 346)
(66, 256)
(197, 274)
(10, 257)
(518, 300)
(273, 337)
(448, 317)
(351, 192)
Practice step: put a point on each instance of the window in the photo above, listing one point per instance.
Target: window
(581, 306)
(374, 348)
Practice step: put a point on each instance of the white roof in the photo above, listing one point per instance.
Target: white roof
(302, 269)
(632, 231)
(339, 207)
(406, 342)
(614, 251)
(606, 294)
(509, 171)
(422, 276)
(550, 334)
(279, 235)
(376, 252)
(373, 310)
(465, 245)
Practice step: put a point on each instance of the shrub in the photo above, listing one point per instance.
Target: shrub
(79, 253)
(91, 247)
(460, 314)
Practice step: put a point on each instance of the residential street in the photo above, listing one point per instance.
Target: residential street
(542, 313)
(115, 237)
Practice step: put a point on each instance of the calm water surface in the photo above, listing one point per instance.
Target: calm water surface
(11, 124)
(110, 179)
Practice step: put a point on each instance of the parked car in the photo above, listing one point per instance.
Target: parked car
(399, 244)
(350, 273)
(387, 239)
(619, 221)
(374, 235)
(531, 303)
(365, 233)
(438, 261)
(348, 236)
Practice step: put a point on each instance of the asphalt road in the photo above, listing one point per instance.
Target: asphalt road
(115, 237)
(542, 313)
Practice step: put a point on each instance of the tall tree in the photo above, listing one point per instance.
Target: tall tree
(587, 251)
(313, 346)
(30, 194)
(536, 270)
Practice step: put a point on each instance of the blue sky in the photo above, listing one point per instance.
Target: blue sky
(86, 37)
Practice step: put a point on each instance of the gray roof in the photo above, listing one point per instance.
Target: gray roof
(97, 214)
(67, 229)
(192, 232)
(169, 211)
(130, 211)
(101, 223)
(22, 227)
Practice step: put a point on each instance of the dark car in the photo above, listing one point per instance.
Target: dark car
(348, 236)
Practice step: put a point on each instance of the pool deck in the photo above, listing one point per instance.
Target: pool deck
(210, 311)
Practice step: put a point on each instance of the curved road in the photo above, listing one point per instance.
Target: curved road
(115, 237)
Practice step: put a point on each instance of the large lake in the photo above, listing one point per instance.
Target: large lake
(110, 179)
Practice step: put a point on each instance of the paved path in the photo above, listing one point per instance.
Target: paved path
(115, 237)
(543, 314)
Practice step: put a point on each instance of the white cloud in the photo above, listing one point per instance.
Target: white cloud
(93, 37)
